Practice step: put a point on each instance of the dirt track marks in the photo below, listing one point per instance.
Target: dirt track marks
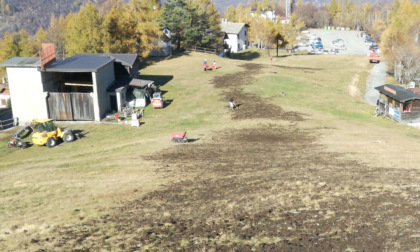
(266, 188)
(250, 106)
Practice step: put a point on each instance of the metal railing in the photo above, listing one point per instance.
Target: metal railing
(9, 123)
(203, 50)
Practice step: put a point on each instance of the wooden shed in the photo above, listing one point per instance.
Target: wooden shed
(398, 103)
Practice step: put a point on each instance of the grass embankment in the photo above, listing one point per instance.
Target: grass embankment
(41, 188)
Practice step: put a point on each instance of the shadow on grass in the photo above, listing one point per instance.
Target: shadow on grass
(154, 60)
(301, 68)
(247, 55)
(159, 80)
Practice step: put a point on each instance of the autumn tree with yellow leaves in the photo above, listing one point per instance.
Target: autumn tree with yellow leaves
(400, 41)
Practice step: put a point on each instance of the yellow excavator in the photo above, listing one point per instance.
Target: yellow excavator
(44, 133)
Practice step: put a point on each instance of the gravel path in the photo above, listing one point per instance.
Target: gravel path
(376, 78)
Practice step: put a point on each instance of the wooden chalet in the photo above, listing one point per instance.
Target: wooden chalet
(398, 103)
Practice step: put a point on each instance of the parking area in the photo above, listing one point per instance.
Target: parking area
(353, 43)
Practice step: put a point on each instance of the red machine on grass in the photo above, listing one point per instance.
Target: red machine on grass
(157, 100)
(179, 137)
(374, 57)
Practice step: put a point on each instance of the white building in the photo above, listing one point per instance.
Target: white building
(164, 44)
(81, 87)
(267, 14)
(236, 35)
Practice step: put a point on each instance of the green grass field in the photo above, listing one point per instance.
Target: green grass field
(42, 188)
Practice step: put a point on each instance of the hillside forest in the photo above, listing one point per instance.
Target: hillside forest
(117, 26)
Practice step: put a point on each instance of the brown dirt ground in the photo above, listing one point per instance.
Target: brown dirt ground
(264, 188)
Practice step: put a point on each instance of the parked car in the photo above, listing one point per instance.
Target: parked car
(369, 41)
(326, 51)
(373, 47)
(337, 41)
(311, 51)
(339, 47)
(316, 44)
(334, 51)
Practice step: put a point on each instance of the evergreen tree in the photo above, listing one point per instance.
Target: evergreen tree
(56, 33)
(26, 45)
(119, 30)
(148, 30)
(40, 37)
(333, 8)
(174, 17)
(208, 23)
(192, 22)
(83, 31)
(9, 48)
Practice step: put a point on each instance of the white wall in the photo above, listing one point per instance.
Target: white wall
(27, 94)
(243, 38)
(236, 42)
(232, 41)
(101, 81)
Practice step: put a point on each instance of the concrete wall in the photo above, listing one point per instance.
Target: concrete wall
(101, 81)
(27, 94)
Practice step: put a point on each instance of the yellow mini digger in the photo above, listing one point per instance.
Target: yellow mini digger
(44, 133)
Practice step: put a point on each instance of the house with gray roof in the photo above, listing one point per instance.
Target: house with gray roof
(236, 36)
(81, 87)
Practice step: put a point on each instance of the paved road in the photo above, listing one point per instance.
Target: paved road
(353, 42)
(376, 78)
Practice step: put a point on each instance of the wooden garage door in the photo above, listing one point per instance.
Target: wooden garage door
(70, 106)
(59, 106)
(82, 105)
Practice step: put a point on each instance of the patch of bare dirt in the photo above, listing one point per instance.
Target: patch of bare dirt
(265, 188)
(250, 106)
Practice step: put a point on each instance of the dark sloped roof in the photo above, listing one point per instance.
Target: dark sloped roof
(398, 93)
(125, 59)
(80, 63)
(123, 81)
(22, 62)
